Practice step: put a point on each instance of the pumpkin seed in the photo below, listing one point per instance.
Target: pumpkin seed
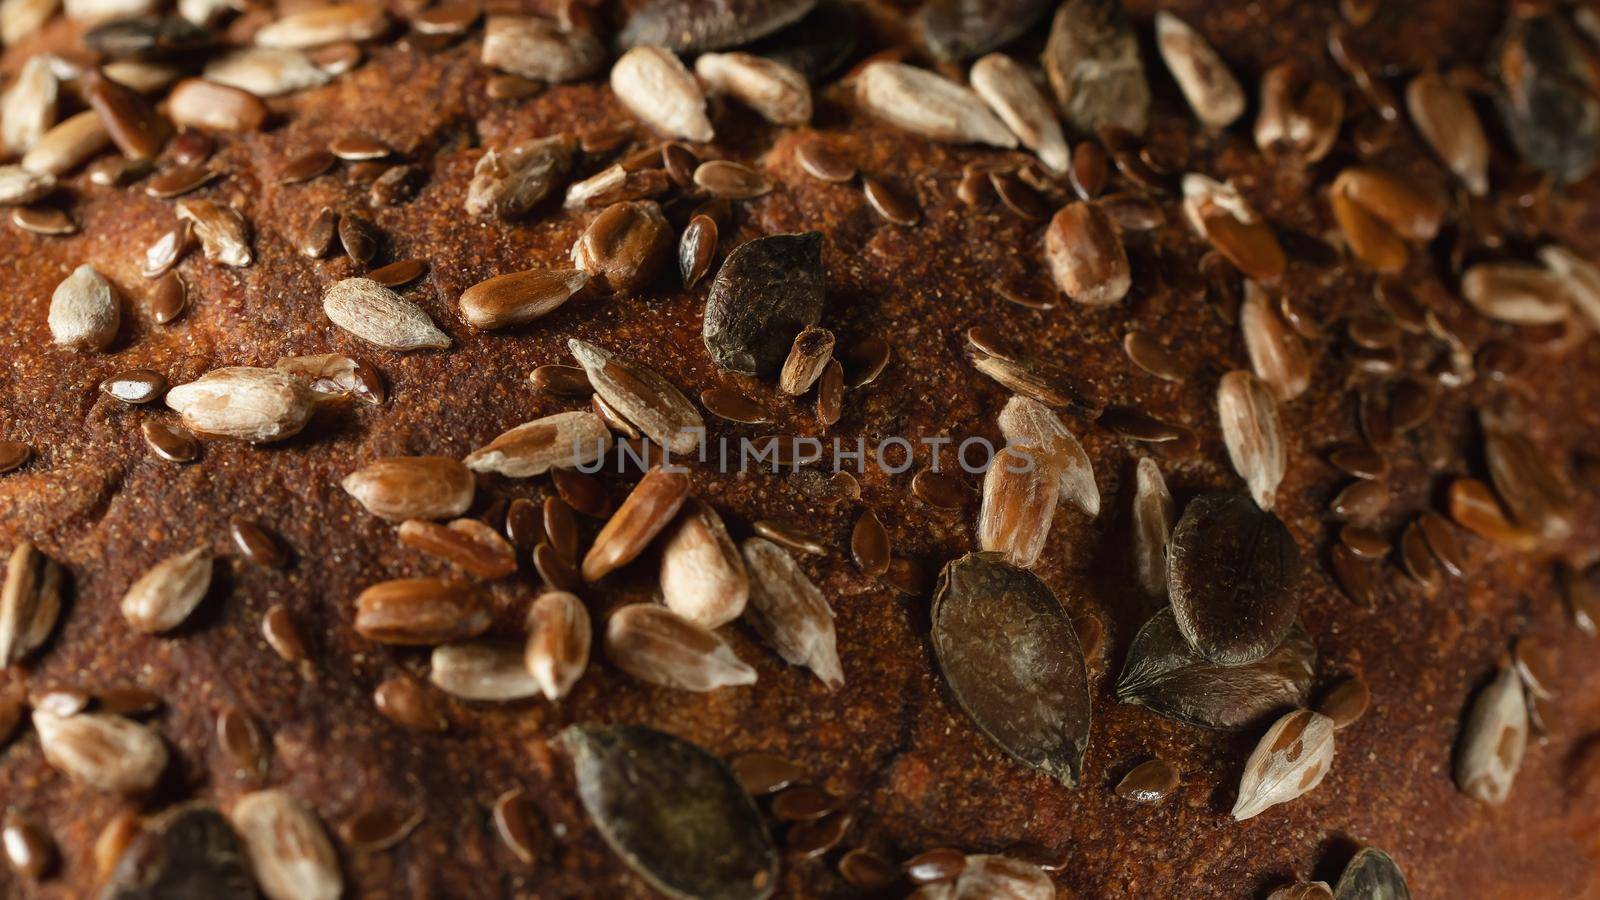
(690, 25)
(84, 311)
(1372, 875)
(1493, 738)
(962, 29)
(1550, 97)
(189, 850)
(1092, 62)
(1292, 758)
(767, 291)
(1230, 576)
(539, 49)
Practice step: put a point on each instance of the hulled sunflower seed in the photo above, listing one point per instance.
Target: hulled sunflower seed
(1443, 115)
(767, 291)
(509, 183)
(1581, 276)
(625, 247)
(656, 645)
(1293, 756)
(1212, 91)
(288, 848)
(246, 403)
(1218, 213)
(813, 348)
(412, 487)
(615, 184)
(482, 670)
(703, 578)
(1492, 740)
(1035, 429)
(19, 186)
(333, 375)
(30, 603)
(1253, 434)
(1018, 504)
(519, 297)
(1092, 61)
(654, 85)
(642, 396)
(929, 104)
(779, 93)
(648, 509)
(67, 145)
(1277, 355)
(102, 751)
(1520, 293)
(1008, 89)
(1152, 527)
(316, 26)
(788, 611)
(164, 596)
(380, 316)
(468, 543)
(563, 440)
(196, 103)
(540, 50)
(420, 612)
(993, 875)
(1300, 117)
(221, 230)
(1531, 488)
(266, 71)
(1085, 255)
(1231, 572)
(84, 311)
(28, 108)
(559, 635)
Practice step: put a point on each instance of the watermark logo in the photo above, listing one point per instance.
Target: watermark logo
(891, 455)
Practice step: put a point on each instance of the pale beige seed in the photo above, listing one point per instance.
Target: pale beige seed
(143, 77)
(926, 103)
(1086, 256)
(1493, 739)
(18, 186)
(1277, 354)
(508, 182)
(221, 230)
(520, 297)
(1212, 91)
(540, 50)
(648, 509)
(266, 71)
(101, 751)
(288, 848)
(1034, 429)
(29, 106)
(656, 645)
(483, 670)
(789, 612)
(30, 603)
(93, 12)
(654, 85)
(84, 311)
(1444, 116)
(1018, 503)
(1303, 890)
(1253, 434)
(1153, 517)
(559, 636)
(334, 376)
(68, 145)
(1014, 96)
(812, 349)
(319, 25)
(21, 19)
(564, 440)
(412, 487)
(208, 106)
(381, 317)
(1291, 759)
(643, 397)
(778, 92)
(245, 403)
(614, 184)
(1582, 279)
(703, 578)
(1517, 292)
(164, 596)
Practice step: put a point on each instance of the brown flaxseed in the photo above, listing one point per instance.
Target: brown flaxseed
(817, 159)
(517, 822)
(169, 441)
(14, 455)
(789, 536)
(399, 273)
(306, 166)
(242, 741)
(406, 702)
(134, 386)
(727, 403)
(281, 633)
(380, 826)
(889, 203)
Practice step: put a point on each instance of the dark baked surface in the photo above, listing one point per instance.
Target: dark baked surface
(914, 772)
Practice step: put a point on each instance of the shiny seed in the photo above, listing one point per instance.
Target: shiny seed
(28, 849)
(1360, 501)
(404, 701)
(306, 166)
(1346, 701)
(1230, 574)
(726, 403)
(1149, 782)
(134, 386)
(412, 487)
(379, 827)
(1089, 171)
(889, 203)
(789, 537)
(939, 490)
(1149, 354)
(1212, 91)
(565, 381)
(582, 492)
(730, 180)
(802, 804)
(256, 544)
(1364, 542)
(102, 751)
(928, 104)
(14, 455)
(1441, 539)
(940, 864)
(164, 596)
(625, 247)
(647, 510)
(643, 397)
(656, 645)
(864, 361)
(697, 249)
(132, 123)
(1085, 255)
(283, 635)
(820, 161)
(830, 393)
(764, 773)
(520, 297)
(242, 741)
(399, 273)
(517, 822)
(30, 602)
(1276, 354)
(170, 442)
(1531, 488)
(1092, 61)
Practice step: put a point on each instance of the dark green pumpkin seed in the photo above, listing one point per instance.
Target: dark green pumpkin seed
(1230, 576)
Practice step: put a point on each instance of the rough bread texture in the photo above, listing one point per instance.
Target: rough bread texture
(913, 770)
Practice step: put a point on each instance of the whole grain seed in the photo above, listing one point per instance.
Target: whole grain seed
(647, 510)
(655, 645)
(30, 602)
(777, 91)
(1085, 255)
(46, 220)
(28, 849)
(1364, 542)
(819, 160)
(1493, 738)
(14, 455)
(520, 297)
(1149, 354)
(524, 524)
(1212, 91)
(582, 492)
(1418, 560)
(1360, 501)
(643, 397)
(29, 106)
(165, 595)
(256, 544)
(808, 840)
(804, 803)
(380, 826)
(563, 381)
(539, 50)
(412, 487)
(222, 232)
(67, 145)
(939, 864)
(1011, 93)
(508, 183)
(379, 316)
(403, 700)
(1346, 701)
(1520, 293)
(307, 166)
(170, 442)
(1253, 434)
(1018, 502)
(1276, 355)
(129, 120)
(1372, 412)
(830, 393)
(1092, 61)
(889, 202)
(1357, 578)
(181, 180)
(764, 773)
(975, 188)
(789, 536)
(359, 237)
(517, 823)
(560, 528)
(84, 311)
(1535, 492)
(864, 869)
(559, 637)
(317, 239)
(1153, 516)
(1034, 429)
(1133, 212)
(197, 103)
(288, 848)
(929, 104)
(1152, 781)
(281, 633)
(101, 751)
(242, 741)
(1473, 506)
(1292, 758)
(1411, 403)
(703, 578)
(468, 543)
(654, 85)
(113, 841)
(625, 247)
(134, 386)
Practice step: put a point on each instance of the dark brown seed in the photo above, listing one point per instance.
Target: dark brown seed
(560, 528)
(808, 840)
(889, 203)
(511, 87)
(317, 240)
(1149, 782)
(1133, 212)
(396, 185)
(1401, 305)
(1410, 404)
(625, 247)
(731, 180)
(257, 544)
(14, 455)
(168, 299)
(517, 822)
(1364, 542)
(28, 850)
(940, 490)
(306, 166)
(939, 864)
(524, 524)
(1357, 460)
(867, 870)
(1536, 494)
(396, 274)
(680, 163)
(565, 381)
(380, 826)
(468, 543)
(116, 171)
(846, 487)
(407, 702)
(869, 544)
(975, 188)
(1441, 539)
(135, 127)
(582, 492)
(554, 568)
(1346, 701)
(188, 851)
(764, 773)
(820, 161)
(1373, 332)
(830, 393)
(1500, 360)
(1418, 559)
(1148, 354)
(697, 249)
(1030, 296)
(803, 804)
(282, 635)
(179, 181)
(242, 741)
(170, 442)
(1135, 425)
(767, 291)
(864, 361)
(789, 536)
(726, 403)
(613, 420)
(359, 237)
(1474, 507)
(420, 612)
(1089, 170)
(128, 700)
(1372, 411)
(1231, 570)
(135, 386)
(1548, 92)
(1361, 501)
(43, 220)
(1019, 197)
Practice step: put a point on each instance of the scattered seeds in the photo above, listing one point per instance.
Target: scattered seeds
(220, 229)
(562, 440)
(468, 543)
(381, 317)
(1531, 488)
(540, 50)
(697, 249)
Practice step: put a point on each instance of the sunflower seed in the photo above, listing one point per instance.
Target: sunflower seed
(1152, 528)
(1474, 507)
(1372, 875)
(1276, 354)
(221, 230)
(1019, 501)
(1212, 91)
(658, 646)
(929, 104)
(84, 311)
(30, 602)
(1537, 496)
(316, 26)
(642, 396)
(1149, 782)
(540, 50)
(1220, 214)
(558, 642)
(625, 247)
(777, 91)
(1519, 293)
(789, 612)
(1373, 242)
(21, 19)
(169, 442)
(768, 290)
(19, 186)
(381, 317)
(412, 487)
(1293, 756)
(1443, 115)
(672, 812)
(1033, 377)
(420, 612)
(1253, 434)
(333, 375)
(509, 183)
(266, 71)
(1230, 576)
(195, 103)
(482, 670)
(28, 108)
(468, 543)
(380, 826)
(615, 184)
(14, 455)
(1017, 101)
(1035, 706)
(67, 145)
(249, 404)
(1300, 117)
(1410, 210)
(1033, 428)
(702, 577)
(163, 597)
(562, 440)
(1548, 100)
(654, 85)
(287, 846)
(1492, 740)
(101, 751)
(1086, 256)
(1581, 277)
(648, 509)
(1092, 61)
